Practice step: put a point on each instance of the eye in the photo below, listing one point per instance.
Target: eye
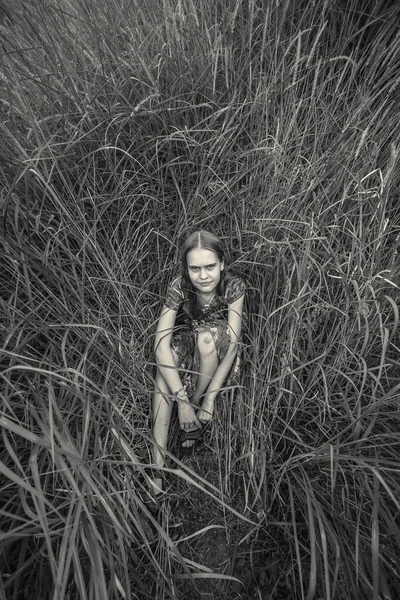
(194, 269)
(210, 267)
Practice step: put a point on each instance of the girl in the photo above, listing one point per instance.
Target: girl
(196, 341)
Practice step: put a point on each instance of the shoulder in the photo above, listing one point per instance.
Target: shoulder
(235, 287)
(174, 295)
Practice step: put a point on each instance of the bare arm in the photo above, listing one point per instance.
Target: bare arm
(163, 352)
(168, 369)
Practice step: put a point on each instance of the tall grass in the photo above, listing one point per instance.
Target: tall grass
(126, 125)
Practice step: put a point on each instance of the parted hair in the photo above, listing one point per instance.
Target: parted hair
(206, 241)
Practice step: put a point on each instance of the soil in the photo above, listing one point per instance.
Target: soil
(232, 558)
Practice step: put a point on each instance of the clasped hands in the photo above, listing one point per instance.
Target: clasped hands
(188, 418)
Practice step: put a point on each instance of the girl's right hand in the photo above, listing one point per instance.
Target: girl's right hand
(187, 416)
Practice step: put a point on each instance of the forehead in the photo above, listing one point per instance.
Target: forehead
(200, 257)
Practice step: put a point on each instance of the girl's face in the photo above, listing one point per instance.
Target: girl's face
(204, 268)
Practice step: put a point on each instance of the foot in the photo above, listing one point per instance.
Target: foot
(190, 437)
(188, 443)
(188, 420)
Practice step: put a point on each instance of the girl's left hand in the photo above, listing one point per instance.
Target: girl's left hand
(206, 410)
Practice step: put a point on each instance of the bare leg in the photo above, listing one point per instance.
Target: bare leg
(208, 363)
(208, 366)
(162, 410)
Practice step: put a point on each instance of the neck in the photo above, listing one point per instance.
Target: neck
(207, 297)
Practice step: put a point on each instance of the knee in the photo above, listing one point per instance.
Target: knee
(205, 343)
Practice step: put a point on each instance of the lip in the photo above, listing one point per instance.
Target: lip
(208, 283)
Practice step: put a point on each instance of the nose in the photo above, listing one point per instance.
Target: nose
(203, 274)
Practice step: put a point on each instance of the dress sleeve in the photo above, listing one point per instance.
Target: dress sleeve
(235, 288)
(174, 295)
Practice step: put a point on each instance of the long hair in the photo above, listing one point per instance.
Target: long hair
(206, 241)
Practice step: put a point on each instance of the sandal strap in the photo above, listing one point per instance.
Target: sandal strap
(192, 434)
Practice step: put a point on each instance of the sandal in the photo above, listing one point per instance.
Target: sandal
(192, 434)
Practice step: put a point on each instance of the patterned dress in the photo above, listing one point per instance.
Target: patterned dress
(213, 318)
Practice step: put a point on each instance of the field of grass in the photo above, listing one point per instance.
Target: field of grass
(125, 126)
